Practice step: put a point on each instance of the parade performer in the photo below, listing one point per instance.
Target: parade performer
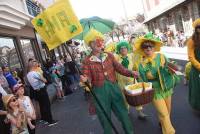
(154, 68)
(126, 58)
(99, 69)
(194, 57)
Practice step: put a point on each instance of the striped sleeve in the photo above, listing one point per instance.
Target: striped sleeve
(119, 68)
(86, 69)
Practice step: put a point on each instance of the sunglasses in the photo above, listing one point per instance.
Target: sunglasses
(145, 46)
(18, 88)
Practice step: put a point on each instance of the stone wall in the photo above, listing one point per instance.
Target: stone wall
(179, 18)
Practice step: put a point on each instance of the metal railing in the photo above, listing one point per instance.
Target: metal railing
(33, 9)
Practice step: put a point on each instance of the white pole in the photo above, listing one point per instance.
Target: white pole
(126, 17)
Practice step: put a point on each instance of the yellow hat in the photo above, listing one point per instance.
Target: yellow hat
(6, 99)
(93, 35)
(148, 37)
(110, 47)
(196, 23)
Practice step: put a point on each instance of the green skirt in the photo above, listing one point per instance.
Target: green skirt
(194, 88)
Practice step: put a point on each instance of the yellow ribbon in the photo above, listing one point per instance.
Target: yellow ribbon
(149, 60)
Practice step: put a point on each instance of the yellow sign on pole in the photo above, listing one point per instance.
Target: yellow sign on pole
(57, 24)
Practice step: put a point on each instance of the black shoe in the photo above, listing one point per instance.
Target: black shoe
(160, 126)
(43, 122)
(52, 123)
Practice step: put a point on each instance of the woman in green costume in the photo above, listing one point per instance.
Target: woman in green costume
(153, 68)
(193, 45)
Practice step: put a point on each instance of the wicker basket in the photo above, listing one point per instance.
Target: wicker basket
(140, 98)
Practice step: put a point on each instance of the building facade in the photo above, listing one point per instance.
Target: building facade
(18, 40)
(177, 15)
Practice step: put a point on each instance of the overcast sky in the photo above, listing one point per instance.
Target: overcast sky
(111, 9)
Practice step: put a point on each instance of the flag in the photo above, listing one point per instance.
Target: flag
(57, 24)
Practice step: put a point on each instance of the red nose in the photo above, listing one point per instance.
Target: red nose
(100, 43)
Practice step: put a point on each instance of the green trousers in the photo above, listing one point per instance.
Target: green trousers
(110, 97)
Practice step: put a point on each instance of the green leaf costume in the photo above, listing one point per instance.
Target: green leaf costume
(156, 71)
(194, 84)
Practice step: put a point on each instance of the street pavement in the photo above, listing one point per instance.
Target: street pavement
(73, 116)
(178, 53)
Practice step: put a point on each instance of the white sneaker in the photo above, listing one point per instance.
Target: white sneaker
(52, 123)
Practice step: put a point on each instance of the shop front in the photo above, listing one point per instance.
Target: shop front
(17, 46)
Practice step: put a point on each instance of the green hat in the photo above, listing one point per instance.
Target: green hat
(148, 37)
(123, 44)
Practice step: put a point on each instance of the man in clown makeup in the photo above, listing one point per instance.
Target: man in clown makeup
(99, 69)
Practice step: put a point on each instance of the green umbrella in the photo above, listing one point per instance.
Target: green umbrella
(101, 25)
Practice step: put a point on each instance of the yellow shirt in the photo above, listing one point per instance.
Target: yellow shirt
(134, 60)
(39, 70)
(191, 56)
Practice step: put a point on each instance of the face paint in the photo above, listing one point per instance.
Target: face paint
(100, 43)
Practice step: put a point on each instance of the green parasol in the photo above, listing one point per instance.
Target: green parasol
(101, 25)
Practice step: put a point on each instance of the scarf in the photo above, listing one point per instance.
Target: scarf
(125, 61)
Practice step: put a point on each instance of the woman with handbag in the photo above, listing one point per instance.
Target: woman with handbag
(194, 57)
(154, 68)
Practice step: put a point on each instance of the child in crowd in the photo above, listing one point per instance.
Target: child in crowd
(15, 115)
(61, 68)
(26, 104)
(57, 82)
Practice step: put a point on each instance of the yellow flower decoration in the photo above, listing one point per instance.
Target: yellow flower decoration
(110, 47)
(93, 35)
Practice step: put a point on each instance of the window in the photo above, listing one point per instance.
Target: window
(179, 22)
(186, 14)
(27, 49)
(8, 54)
(163, 23)
(198, 6)
(155, 23)
(33, 9)
(170, 19)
